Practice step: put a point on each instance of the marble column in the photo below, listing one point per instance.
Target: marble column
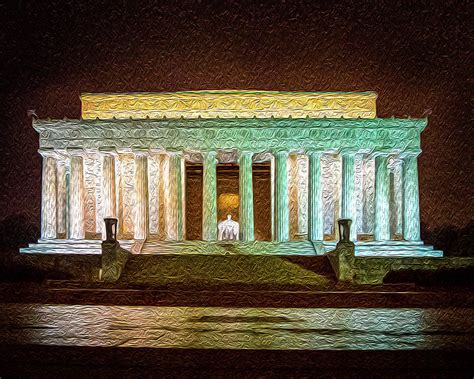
(163, 199)
(396, 197)
(141, 195)
(315, 198)
(382, 199)
(48, 196)
(411, 199)
(76, 212)
(246, 196)
(272, 195)
(176, 196)
(281, 197)
(61, 202)
(109, 198)
(348, 208)
(209, 197)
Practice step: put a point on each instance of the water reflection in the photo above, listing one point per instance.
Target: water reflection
(237, 328)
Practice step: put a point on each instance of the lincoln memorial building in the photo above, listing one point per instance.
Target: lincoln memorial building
(279, 167)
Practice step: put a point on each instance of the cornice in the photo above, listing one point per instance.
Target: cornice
(359, 123)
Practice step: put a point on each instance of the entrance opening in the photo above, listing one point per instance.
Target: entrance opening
(262, 204)
(193, 201)
(227, 191)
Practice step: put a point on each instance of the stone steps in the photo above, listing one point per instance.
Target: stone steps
(228, 248)
(391, 249)
(67, 246)
(202, 270)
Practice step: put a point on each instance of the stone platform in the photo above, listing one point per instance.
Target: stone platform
(290, 248)
(390, 249)
(70, 246)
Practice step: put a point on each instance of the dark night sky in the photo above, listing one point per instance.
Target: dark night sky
(418, 58)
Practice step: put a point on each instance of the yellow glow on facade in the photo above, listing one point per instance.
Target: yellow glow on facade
(228, 203)
(229, 104)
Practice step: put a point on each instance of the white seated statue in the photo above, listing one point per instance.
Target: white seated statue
(228, 229)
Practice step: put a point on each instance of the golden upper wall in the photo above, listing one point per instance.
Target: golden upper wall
(229, 104)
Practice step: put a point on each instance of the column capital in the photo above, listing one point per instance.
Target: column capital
(108, 150)
(245, 153)
(349, 152)
(208, 153)
(314, 153)
(76, 152)
(409, 154)
(155, 151)
(281, 153)
(49, 153)
(394, 163)
(139, 151)
(175, 153)
(378, 154)
(211, 154)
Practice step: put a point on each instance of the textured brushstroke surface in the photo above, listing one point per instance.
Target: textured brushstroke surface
(228, 104)
(416, 57)
(382, 199)
(237, 328)
(48, 206)
(141, 196)
(76, 199)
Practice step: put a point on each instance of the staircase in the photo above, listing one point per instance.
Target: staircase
(390, 249)
(305, 248)
(70, 246)
(200, 264)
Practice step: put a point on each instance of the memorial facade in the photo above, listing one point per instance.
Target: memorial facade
(328, 156)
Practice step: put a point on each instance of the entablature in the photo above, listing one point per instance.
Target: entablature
(253, 134)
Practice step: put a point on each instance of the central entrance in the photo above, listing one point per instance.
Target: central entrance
(228, 197)
(227, 191)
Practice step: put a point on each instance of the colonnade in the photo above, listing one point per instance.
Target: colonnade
(63, 194)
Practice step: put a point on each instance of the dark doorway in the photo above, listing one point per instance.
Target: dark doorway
(193, 193)
(227, 191)
(262, 204)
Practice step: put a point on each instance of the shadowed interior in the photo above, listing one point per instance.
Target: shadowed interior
(228, 184)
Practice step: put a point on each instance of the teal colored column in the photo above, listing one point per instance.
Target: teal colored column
(282, 214)
(209, 197)
(382, 198)
(176, 195)
(246, 197)
(411, 199)
(348, 191)
(315, 198)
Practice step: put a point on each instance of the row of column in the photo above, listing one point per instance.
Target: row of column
(67, 215)
(411, 211)
(52, 203)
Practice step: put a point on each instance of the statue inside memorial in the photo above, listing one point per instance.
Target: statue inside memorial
(228, 229)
